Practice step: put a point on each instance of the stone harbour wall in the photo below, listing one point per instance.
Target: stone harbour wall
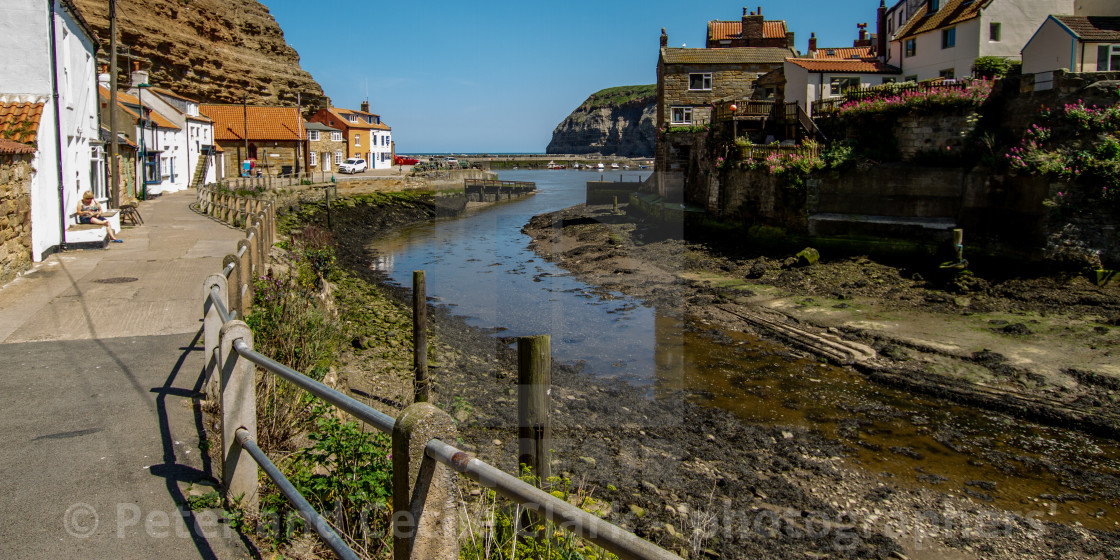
(932, 133)
(15, 215)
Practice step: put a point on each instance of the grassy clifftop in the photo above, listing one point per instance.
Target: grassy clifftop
(621, 95)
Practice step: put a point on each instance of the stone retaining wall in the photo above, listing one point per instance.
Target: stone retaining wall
(932, 133)
(15, 215)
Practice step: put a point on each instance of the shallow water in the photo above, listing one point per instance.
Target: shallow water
(481, 266)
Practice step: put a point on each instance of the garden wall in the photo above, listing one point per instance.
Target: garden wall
(15, 215)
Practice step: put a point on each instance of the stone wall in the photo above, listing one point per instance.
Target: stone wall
(15, 215)
(927, 134)
(728, 80)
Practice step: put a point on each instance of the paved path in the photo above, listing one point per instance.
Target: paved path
(100, 361)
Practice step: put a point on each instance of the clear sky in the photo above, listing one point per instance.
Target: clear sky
(499, 76)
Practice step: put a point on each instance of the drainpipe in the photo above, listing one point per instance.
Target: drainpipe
(58, 132)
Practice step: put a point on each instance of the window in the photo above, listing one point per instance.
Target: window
(1108, 58)
(357, 140)
(900, 20)
(352, 118)
(948, 74)
(700, 82)
(995, 32)
(338, 157)
(313, 135)
(911, 47)
(949, 38)
(336, 137)
(913, 78)
(311, 159)
(681, 115)
(890, 80)
(932, 5)
(840, 84)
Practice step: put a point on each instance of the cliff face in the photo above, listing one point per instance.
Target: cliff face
(213, 51)
(616, 121)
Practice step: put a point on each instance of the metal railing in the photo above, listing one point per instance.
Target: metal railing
(421, 501)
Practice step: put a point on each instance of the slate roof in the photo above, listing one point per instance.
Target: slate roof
(736, 55)
(312, 125)
(19, 121)
(283, 124)
(950, 14)
(724, 30)
(837, 65)
(1092, 29)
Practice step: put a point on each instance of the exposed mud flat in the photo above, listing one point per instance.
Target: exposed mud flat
(691, 477)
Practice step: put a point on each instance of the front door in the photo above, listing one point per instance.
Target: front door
(326, 159)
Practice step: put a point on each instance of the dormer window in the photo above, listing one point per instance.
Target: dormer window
(830, 52)
(352, 118)
(932, 6)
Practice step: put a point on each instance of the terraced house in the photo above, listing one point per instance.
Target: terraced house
(48, 102)
(269, 140)
(737, 53)
(365, 135)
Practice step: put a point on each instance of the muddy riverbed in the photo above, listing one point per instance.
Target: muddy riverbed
(708, 482)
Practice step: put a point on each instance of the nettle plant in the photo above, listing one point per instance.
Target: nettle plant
(1076, 144)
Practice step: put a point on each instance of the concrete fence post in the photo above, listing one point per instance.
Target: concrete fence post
(235, 280)
(239, 410)
(211, 330)
(425, 507)
(247, 275)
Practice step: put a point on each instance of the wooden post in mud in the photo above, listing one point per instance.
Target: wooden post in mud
(958, 243)
(534, 379)
(420, 336)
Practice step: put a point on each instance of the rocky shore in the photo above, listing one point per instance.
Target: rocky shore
(698, 480)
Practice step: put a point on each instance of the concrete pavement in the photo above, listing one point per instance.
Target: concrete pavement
(100, 367)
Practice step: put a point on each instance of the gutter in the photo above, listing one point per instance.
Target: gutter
(58, 130)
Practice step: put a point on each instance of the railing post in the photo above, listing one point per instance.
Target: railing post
(262, 248)
(211, 329)
(421, 386)
(247, 275)
(425, 515)
(239, 410)
(534, 426)
(235, 280)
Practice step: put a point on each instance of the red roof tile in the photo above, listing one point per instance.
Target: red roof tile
(836, 65)
(265, 123)
(343, 115)
(1093, 28)
(153, 115)
(844, 53)
(20, 121)
(951, 13)
(725, 30)
(13, 147)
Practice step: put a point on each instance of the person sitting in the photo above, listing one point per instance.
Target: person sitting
(89, 212)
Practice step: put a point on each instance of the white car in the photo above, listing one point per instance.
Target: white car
(352, 165)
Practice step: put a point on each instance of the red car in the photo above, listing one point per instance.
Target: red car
(401, 160)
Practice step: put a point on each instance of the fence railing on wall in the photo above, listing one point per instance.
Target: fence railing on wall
(425, 507)
(762, 152)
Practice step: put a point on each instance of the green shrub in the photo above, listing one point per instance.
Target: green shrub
(989, 67)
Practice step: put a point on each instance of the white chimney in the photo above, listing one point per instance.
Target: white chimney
(138, 76)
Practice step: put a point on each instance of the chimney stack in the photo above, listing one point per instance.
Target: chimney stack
(752, 28)
(664, 38)
(881, 32)
(812, 43)
(365, 106)
(103, 77)
(138, 76)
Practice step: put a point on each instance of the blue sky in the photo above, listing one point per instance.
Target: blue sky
(499, 76)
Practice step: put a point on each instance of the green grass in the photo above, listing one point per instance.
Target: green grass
(613, 97)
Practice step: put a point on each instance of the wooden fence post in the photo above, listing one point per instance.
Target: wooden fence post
(239, 410)
(421, 388)
(534, 389)
(425, 515)
(211, 330)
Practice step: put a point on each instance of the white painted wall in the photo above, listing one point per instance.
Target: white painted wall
(797, 86)
(930, 59)
(382, 152)
(1052, 47)
(1096, 8)
(25, 75)
(1018, 21)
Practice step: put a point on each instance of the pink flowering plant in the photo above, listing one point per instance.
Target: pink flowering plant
(1076, 144)
(973, 95)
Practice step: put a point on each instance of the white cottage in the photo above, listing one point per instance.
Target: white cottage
(50, 50)
(942, 38)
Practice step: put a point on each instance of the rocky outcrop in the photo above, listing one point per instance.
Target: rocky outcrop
(616, 121)
(214, 51)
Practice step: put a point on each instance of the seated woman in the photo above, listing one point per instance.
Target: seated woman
(89, 212)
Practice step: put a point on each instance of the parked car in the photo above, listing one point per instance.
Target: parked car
(352, 165)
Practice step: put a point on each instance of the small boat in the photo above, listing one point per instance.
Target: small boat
(614, 166)
(626, 167)
(601, 167)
